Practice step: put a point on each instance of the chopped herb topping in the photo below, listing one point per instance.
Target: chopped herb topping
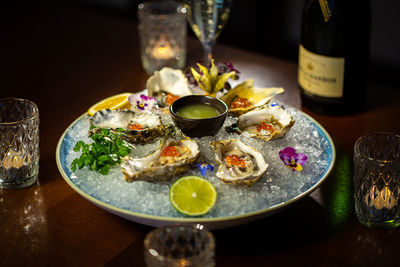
(107, 150)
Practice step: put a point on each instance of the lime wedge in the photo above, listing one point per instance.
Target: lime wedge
(192, 195)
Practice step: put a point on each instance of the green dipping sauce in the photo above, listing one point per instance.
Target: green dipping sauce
(198, 111)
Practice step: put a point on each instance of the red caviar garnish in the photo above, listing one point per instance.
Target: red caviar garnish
(235, 160)
(265, 126)
(136, 127)
(170, 151)
(241, 103)
(171, 99)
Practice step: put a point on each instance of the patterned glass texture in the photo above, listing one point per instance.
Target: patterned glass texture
(162, 30)
(377, 179)
(179, 246)
(19, 143)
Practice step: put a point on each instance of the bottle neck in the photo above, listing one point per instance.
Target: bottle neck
(326, 9)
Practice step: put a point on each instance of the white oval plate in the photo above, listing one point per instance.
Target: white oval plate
(211, 221)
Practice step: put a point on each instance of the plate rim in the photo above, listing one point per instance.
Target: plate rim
(127, 213)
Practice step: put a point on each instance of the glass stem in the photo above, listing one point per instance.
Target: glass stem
(207, 47)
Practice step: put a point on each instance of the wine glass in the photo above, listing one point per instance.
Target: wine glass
(207, 19)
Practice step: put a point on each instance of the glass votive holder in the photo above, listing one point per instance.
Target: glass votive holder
(377, 180)
(162, 32)
(19, 143)
(179, 245)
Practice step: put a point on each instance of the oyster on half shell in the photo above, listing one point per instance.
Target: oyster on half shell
(267, 123)
(239, 164)
(140, 128)
(167, 85)
(172, 158)
(245, 97)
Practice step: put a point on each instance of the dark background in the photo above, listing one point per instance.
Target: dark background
(273, 27)
(267, 26)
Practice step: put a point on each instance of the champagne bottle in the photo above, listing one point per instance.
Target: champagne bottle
(334, 55)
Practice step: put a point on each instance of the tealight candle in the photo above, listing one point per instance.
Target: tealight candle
(162, 31)
(15, 160)
(180, 245)
(380, 199)
(19, 156)
(377, 180)
(163, 50)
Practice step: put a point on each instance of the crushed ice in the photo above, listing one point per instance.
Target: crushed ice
(278, 185)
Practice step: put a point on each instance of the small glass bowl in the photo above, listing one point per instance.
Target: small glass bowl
(199, 127)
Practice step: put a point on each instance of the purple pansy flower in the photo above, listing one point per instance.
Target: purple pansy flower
(204, 167)
(141, 102)
(293, 160)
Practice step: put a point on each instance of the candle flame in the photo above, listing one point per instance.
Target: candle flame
(380, 198)
(163, 50)
(14, 159)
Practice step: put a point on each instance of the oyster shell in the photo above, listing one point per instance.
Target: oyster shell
(172, 158)
(245, 97)
(139, 128)
(239, 164)
(167, 85)
(267, 123)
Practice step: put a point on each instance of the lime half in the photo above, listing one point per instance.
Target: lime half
(192, 195)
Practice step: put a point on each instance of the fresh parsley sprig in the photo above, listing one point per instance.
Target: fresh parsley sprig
(107, 150)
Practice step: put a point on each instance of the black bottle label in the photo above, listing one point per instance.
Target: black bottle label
(320, 75)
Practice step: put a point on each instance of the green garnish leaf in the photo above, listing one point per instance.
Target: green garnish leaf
(105, 169)
(74, 164)
(78, 146)
(107, 150)
(102, 158)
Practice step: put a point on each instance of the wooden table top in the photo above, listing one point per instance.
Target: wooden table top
(66, 58)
